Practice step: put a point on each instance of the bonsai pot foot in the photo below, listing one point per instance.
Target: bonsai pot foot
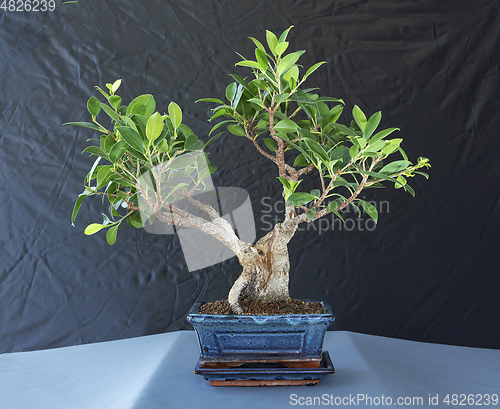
(277, 372)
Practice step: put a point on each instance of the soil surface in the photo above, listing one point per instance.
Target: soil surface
(252, 307)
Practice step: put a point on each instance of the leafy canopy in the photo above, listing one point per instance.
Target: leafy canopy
(299, 130)
(289, 124)
(136, 142)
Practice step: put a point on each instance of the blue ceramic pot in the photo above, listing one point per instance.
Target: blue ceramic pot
(239, 337)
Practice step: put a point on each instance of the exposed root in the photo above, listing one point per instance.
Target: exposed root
(236, 290)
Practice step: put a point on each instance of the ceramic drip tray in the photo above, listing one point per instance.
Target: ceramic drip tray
(266, 373)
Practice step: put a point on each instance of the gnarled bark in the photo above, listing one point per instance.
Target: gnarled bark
(266, 267)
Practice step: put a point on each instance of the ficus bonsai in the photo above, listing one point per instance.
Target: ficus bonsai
(288, 124)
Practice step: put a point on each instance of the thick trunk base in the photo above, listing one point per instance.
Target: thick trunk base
(266, 268)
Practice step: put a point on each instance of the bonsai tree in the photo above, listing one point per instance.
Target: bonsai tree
(142, 156)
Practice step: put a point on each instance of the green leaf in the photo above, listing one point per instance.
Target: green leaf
(279, 98)
(143, 105)
(340, 181)
(175, 114)
(284, 182)
(77, 205)
(176, 188)
(369, 209)
(288, 61)
(318, 149)
(237, 97)
(222, 110)
(131, 137)
(281, 48)
(261, 59)
(372, 124)
(338, 153)
(103, 175)
(425, 175)
(115, 102)
(93, 106)
(391, 146)
(286, 125)
(409, 189)
(106, 95)
(375, 175)
(240, 81)
(93, 228)
(382, 134)
(359, 117)
(181, 162)
(111, 234)
(395, 167)
(236, 130)
(87, 125)
(312, 69)
(216, 126)
(332, 206)
(251, 64)
(403, 153)
(353, 151)
(303, 151)
(311, 213)
(345, 130)
(117, 151)
(218, 101)
(325, 99)
(90, 175)
(316, 193)
(115, 86)
(301, 97)
(257, 43)
(299, 199)
(375, 147)
(360, 141)
(401, 180)
(193, 143)
(129, 122)
(335, 113)
(95, 150)
(292, 77)
(272, 41)
(261, 84)
(112, 114)
(284, 35)
(300, 160)
(335, 203)
(154, 126)
(135, 220)
(140, 121)
(271, 144)
(231, 91)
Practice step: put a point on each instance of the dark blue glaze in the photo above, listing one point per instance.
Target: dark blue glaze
(295, 336)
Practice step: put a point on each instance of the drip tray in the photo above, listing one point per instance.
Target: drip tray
(266, 374)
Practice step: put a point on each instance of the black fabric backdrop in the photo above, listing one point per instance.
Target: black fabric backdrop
(429, 271)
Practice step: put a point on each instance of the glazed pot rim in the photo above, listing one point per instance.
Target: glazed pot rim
(326, 306)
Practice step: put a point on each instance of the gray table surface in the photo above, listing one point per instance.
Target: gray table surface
(157, 372)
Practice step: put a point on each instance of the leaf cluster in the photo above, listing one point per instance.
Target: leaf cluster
(135, 141)
(299, 130)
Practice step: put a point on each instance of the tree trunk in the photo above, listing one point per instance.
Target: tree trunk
(265, 268)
